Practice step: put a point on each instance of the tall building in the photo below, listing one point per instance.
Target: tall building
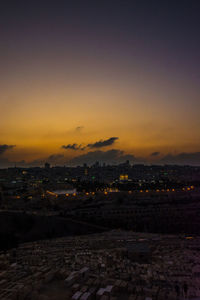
(47, 166)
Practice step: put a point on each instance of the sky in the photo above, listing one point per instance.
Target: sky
(99, 80)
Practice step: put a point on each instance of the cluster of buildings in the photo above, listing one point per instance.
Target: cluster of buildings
(161, 199)
(108, 266)
(137, 177)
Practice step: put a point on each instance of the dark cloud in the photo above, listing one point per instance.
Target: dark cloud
(99, 144)
(113, 156)
(72, 147)
(79, 128)
(156, 153)
(4, 148)
(103, 143)
(182, 159)
(4, 163)
(55, 158)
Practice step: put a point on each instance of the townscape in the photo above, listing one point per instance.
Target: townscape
(101, 253)
(99, 150)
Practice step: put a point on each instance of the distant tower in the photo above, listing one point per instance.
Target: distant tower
(97, 164)
(47, 166)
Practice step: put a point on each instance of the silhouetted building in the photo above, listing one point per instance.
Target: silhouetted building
(47, 165)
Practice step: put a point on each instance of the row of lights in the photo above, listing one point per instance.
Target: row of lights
(142, 191)
(130, 192)
(168, 190)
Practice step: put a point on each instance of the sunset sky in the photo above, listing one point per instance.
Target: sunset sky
(117, 78)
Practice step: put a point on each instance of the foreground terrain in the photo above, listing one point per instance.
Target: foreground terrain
(114, 265)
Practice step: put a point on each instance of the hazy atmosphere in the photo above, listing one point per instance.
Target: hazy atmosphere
(99, 80)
